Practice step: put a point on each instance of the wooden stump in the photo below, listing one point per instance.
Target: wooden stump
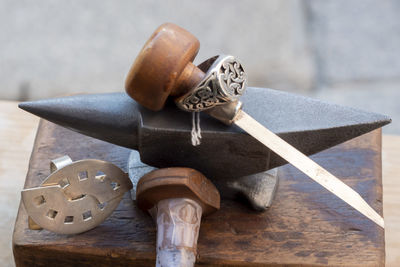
(306, 224)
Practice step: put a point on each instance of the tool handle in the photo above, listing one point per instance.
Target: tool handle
(178, 224)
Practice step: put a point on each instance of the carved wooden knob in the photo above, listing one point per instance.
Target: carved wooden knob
(164, 67)
(177, 198)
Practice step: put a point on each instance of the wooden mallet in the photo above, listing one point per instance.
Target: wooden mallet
(177, 198)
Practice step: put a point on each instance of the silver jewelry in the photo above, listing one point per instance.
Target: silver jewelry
(77, 196)
(225, 81)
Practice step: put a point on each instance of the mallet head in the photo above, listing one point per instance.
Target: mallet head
(164, 67)
(177, 182)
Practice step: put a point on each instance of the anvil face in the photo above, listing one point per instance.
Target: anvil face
(163, 138)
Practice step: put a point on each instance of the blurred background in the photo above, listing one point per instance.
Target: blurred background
(346, 52)
(341, 51)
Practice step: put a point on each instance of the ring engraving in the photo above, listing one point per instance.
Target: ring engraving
(225, 81)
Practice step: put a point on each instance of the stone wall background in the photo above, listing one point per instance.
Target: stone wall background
(341, 51)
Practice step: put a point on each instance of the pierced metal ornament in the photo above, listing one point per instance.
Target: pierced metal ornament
(77, 196)
(225, 81)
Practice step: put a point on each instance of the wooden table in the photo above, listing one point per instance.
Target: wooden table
(16, 126)
(17, 132)
(391, 197)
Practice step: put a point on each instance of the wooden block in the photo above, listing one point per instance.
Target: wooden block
(306, 224)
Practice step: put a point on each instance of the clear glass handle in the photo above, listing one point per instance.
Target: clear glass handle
(178, 225)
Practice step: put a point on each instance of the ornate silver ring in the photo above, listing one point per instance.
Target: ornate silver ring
(225, 81)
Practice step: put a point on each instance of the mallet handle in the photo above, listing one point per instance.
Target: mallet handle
(178, 224)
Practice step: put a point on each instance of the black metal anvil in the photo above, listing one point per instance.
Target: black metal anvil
(226, 152)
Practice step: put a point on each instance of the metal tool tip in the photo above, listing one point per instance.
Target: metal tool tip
(34, 107)
(24, 105)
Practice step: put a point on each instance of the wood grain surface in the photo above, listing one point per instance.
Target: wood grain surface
(305, 225)
(17, 132)
(391, 198)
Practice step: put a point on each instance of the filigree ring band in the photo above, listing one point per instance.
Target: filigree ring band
(225, 81)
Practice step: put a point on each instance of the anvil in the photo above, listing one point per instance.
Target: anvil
(226, 152)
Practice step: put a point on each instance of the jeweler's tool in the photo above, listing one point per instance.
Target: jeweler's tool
(177, 198)
(164, 67)
(226, 152)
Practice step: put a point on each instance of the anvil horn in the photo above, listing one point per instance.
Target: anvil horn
(163, 138)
